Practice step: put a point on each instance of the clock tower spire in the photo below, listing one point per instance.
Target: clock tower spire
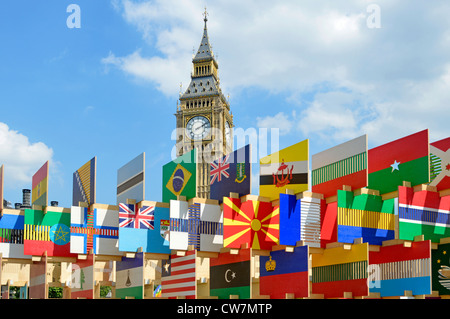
(204, 120)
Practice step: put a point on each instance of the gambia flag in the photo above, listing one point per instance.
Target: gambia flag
(230, 275)
(180, 177)
(405, 159)
(284, 273)
(47, 232)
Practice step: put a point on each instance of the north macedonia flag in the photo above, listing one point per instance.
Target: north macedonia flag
(254, 222)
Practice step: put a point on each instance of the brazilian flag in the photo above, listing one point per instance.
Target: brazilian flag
(180, 177)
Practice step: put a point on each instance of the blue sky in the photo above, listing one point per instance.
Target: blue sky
(314, 69)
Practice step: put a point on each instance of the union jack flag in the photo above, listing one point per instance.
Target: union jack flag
(219, 168)
(143, 219)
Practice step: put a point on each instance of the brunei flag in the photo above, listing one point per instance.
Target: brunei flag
(47, 232)
(285, 169)
(39, 193)
(405, 159)
(252, 222)
(180, 177)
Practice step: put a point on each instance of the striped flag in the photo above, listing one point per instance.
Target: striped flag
(405, 159)
(84, 183)
(338, 270)
(12, 234)
(344, 164)
(39, 192)
(131, 180)
(440, 164)
(423, 213)
(178, 276)
(365, 216)
(399, 269)
(285, 169)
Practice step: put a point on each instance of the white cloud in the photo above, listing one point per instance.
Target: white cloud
(21, 157)
(385, 82)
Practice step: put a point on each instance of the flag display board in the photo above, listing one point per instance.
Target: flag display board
(179, 177)
(198, 223)
(144, 225)
(365, 216)
(285, 169)
(440, 269)
(131, 180)
(12, 234)
(344, 164)
(440, 164)
(284, 273)
(96, 228)
(300, 219)
(84, 183)
(423, 213)
(38, 279)
(230, 275)
(339, 270)
(252, 222)
(39, 191)
(405, 159)
(178, 277)
(130, 277)
(82, 284)
(47, 232)
(398, 269)
(231, 173)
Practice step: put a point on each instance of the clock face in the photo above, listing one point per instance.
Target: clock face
(227, 133)
(198, 128)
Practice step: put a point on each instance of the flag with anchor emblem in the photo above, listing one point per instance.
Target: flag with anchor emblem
(230, 275)
(285, 169)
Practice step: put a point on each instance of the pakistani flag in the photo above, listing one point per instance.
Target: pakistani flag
(405, 159)
(180, 177)
(230, 275)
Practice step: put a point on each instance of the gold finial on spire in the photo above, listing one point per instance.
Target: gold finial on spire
(205, 14)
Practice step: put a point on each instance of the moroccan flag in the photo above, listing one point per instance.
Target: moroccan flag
(440, 164)
(440, 269)
(82, 285)
(405, 159)
(47, 232)
(284, 273)
(423, 213)
(84, 180)
(180, 177)
(398, 269)
(344, 164)
(285, 169)
(231, 173)
(130, 277)
(230, 275)
(254, 222)
(39, 192)
(365, 216)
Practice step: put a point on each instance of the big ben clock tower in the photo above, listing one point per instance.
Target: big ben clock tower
(204, 120)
